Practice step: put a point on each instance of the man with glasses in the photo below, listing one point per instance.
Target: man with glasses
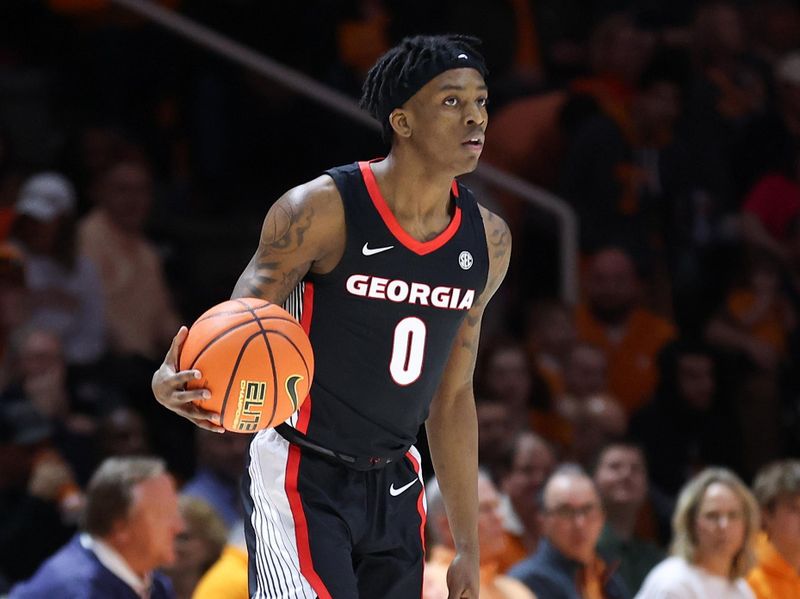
(566, 564)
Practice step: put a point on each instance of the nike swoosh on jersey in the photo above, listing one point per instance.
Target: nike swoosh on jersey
(395, 492)
(367, 251)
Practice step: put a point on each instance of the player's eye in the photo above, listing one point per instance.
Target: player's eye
(451, 101)
(483, 102)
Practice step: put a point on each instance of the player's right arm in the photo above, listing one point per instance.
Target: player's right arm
(303, 231)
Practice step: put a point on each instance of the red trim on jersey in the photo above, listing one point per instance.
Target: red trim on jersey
(418, 247)
(305, 321)
(420, 502)
(308, 306)
(301, 525)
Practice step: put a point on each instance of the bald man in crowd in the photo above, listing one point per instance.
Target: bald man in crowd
(566, 564)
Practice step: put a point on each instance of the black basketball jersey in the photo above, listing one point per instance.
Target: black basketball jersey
(382, 323)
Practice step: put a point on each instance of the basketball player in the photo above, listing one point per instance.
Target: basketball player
(388, 265)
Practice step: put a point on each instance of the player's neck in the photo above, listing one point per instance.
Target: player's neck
(411, 188)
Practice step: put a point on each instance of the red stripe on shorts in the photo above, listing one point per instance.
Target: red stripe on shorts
(420, 504)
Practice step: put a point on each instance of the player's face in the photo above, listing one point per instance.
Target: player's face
(447, 119)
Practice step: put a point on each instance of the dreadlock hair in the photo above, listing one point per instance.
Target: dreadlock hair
(404, 69)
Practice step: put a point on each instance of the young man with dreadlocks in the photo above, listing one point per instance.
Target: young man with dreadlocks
(388, 265)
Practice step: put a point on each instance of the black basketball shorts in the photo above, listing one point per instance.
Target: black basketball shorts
(316, 528)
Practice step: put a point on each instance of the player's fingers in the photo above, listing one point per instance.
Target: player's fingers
(179, 379)
(196, 415)
(171, 358)
(189, 396)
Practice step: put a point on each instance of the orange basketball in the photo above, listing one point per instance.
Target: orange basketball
(256, 360)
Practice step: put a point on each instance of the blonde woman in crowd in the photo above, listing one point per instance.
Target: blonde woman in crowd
(714, 529)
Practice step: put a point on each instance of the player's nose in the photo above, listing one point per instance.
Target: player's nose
(473, 115)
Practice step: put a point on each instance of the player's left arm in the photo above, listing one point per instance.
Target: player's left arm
(452, 425)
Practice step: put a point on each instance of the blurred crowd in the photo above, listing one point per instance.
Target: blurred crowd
(657, 416)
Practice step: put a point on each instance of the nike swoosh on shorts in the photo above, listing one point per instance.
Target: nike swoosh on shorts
(395, 492)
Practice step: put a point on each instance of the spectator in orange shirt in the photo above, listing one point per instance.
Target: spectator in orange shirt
(777, 571)
(492, 545)
(613, 319)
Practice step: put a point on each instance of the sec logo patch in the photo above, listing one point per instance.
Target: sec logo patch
(465, 260)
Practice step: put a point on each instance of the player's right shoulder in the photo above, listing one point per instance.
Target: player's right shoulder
(314, 205)
(320, 195)
(308, 222)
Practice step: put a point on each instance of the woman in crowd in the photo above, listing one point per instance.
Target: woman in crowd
(65, 289)
(714, 530)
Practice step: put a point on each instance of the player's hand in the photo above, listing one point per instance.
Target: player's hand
(169, 387)
(463, 577)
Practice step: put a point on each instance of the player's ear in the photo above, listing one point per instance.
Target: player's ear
(400, 123)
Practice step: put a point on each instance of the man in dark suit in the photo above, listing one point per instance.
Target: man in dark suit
(131, 521)
(566, 564)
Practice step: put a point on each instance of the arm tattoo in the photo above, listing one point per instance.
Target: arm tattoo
(289, 226)
(498, 241)
(272, 274)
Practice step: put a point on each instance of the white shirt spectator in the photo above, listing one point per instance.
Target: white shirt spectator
(674, 578)
(69, 303)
